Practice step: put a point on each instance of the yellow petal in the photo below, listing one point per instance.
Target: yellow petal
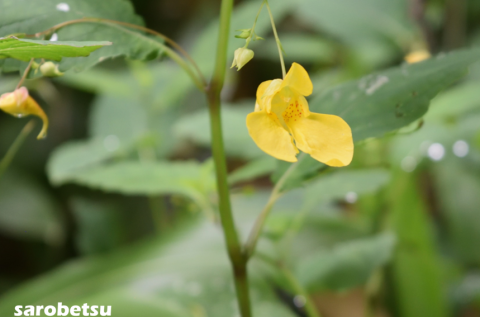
(265, 93)
(270, 136)
(298, 79)
(32, 108)
(261, 91)
(19, 104)
(327, 138)
(417, 56)
(288, 104)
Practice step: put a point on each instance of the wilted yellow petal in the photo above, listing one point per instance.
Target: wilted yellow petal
(19, 104)
(327, 138)
(298, 79)
(270, 136)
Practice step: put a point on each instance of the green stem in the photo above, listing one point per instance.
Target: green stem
(25, 74)
(237, 258)
(279, 45)
(310, 308)
(7, 159)
(257, 229)
(198, 78)
(254, 25)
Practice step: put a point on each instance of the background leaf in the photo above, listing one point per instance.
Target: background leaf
(347, 265)
(25, 50)
(24, 16)
(415, 274)
(388, 100)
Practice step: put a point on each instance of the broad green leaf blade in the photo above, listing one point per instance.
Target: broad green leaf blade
(347, 265)
(391, 99)
(28, 211)
(416, 276)
(68, 159)
(118, 117)
(136, 178)
(300, 48)
(354, 21)
(196, 127)
(25, 16)
(25, 50)
(458, 199)
(465, 97)
(388, 100)
(253, 169)
(344, 184)
(177, 275)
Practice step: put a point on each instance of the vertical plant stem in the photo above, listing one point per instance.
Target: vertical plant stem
(277, 39)
(25, 74)
(7, 159)
(254, 25)
(310, 308)
(237, 258)
(295, 285)
(254, 235)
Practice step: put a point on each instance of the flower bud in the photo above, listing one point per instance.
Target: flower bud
(417, 56)
(245, 33)
(50, 69)
(19, 104)
(242, 56)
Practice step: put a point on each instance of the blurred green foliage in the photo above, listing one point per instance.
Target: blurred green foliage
(118, 206)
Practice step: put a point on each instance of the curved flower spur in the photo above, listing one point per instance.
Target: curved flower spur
(19, 103)
(282, 123)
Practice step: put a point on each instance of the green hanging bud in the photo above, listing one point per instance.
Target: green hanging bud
(245, 33)
(50, 69)
(242, 56)
(35, 66)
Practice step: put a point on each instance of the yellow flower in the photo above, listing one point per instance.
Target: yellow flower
(417, 56)
(282, 116)
(19, 104)
(241, 57)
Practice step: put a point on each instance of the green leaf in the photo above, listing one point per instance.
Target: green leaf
(136, 178)
(465, 97)
(27, 211)
(458, 199)
(300, 48)
(344, 182)
(253, 169)
(69, 158)
(196, 127)
(355, 21)
(100, 225)
(35, 16)
(118, 117)
(391, 99)
(185, 274)
(25, 50)
(416, 276)
(388, 100)
(347, 265)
